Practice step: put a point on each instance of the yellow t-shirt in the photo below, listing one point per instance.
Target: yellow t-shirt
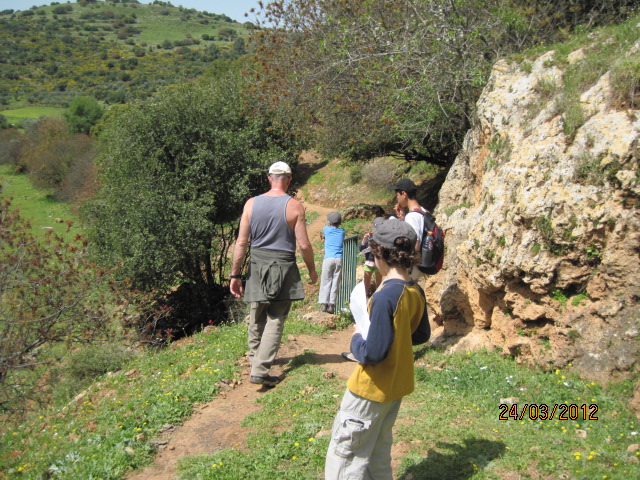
(402, 306)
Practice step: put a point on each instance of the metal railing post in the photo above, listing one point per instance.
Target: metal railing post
(350, 252)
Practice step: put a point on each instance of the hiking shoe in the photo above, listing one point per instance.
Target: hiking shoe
(267, 380)
(323, 307)
(331, 308)
(349, 356)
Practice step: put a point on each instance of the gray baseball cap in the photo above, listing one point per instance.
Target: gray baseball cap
(334, 218)
(386, 232)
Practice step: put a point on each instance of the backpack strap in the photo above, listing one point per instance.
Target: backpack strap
(430, 222)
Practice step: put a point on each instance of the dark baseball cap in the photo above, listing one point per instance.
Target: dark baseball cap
(386, 232)
(404, 185)
(334, 218)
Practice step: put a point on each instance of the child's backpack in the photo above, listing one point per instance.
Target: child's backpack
(432, 246)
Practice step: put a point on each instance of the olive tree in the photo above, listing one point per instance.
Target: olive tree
(175, 171)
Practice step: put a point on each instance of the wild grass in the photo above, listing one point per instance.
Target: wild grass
(625, 79)
(37, 205)
(459, 423)
(106, 431)
(450, 427)
(18, 115)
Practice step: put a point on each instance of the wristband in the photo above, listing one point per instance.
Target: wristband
(235, 276)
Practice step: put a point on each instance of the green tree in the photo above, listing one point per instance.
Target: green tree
(82, 114)
(370, 77)
(175, 171)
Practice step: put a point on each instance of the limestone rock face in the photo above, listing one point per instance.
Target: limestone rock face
(542, 229)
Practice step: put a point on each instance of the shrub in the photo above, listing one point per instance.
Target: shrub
(40, 136)
(51, 296)
(84, 365)
(380, 172)
(62, 9)
(53, 159)
(174, 179)
(83, 113)
(79, 181)
(355, 174)
(10, 146)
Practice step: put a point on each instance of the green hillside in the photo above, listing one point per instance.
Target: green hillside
(112, 51)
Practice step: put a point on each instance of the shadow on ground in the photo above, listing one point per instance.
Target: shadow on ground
(304, 170)
(459, 462)
(312, 358)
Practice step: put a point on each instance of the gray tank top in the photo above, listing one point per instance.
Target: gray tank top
(269, 227)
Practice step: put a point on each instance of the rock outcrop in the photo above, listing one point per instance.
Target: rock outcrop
(542, 228)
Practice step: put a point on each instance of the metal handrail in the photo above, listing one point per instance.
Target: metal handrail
(350, 252)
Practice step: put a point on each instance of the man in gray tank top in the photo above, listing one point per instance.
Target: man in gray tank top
(272, 224)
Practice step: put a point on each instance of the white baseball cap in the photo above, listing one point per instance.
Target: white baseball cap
(279, 168)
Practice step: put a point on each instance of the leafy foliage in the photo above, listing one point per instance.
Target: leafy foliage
(49, 294)
(83, 113)
(364, 78)
(175, 172)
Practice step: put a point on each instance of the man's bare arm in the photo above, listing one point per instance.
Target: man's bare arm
(240, 249)
(302, 238)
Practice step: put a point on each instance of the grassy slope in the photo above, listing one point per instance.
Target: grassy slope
(155, 26)
(16, 116)
(49, 58)
(450, 427)
(36, 205)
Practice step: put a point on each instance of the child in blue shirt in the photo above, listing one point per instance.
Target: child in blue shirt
(332, 264)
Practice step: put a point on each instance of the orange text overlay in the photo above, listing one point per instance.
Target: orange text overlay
(543, 411)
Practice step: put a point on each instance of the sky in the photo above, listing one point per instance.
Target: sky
(234, 9)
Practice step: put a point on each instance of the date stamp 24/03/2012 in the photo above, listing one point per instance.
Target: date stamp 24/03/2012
(543, 411)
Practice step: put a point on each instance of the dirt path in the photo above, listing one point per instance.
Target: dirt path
(216, 425)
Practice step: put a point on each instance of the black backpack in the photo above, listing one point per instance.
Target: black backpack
(432, 246)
